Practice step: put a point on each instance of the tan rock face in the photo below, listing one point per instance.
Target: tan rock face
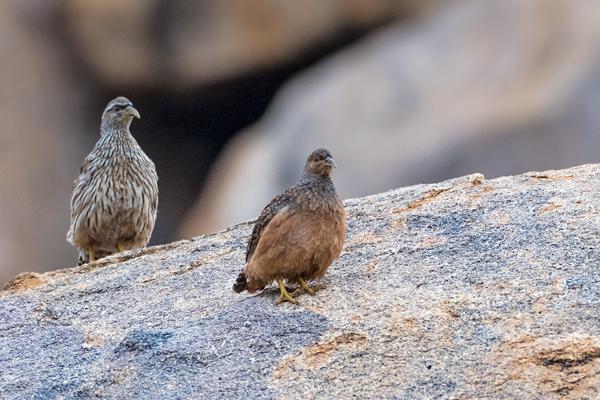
(500, 87)
(493, 298)
(195, 42)
(40, 111)
(565, 366)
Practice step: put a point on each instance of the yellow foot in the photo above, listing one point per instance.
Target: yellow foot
(284, 296)
(120, 247)
(305, 288)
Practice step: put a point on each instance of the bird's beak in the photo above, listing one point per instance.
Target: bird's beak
(331, 162)
(133, 112)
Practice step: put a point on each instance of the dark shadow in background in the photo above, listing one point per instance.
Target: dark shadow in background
(184, 132)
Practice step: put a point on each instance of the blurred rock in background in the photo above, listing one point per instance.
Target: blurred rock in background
(178, 44)
(495, 87)
(40, 146)
(199, 72)
(401, 92)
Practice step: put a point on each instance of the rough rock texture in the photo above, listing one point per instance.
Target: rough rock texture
(464, 289)
(500, 87)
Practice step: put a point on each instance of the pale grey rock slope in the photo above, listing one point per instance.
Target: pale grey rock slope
(459, 290)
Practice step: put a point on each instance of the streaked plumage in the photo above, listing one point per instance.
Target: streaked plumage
(115, 196)
(299, 234)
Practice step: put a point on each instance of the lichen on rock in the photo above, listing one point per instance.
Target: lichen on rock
(469, 288)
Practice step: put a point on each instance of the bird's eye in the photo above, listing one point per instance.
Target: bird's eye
(118, 107)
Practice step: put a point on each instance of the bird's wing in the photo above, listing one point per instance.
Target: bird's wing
(85, 174)
(83, 171)
(282, 200)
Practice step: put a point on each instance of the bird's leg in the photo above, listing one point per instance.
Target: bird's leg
(305, 288)
(284, 296)
(120, 247)
(91, 255)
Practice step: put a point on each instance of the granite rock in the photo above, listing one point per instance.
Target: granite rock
(468, 288)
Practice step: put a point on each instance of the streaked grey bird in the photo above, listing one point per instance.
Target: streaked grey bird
(115, 196)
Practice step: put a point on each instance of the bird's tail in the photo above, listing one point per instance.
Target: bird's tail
(241, 283)
(83, 258)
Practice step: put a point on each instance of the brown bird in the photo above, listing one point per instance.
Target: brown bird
(115, 196)
(298, 235)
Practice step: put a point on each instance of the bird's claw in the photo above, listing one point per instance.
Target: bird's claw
(284, 295)
(306, 288)
(287, 297)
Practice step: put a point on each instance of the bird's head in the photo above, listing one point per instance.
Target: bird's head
(119, 111)
(320, 163)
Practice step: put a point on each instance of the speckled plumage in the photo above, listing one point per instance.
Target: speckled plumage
(115, 196)
(300, 233)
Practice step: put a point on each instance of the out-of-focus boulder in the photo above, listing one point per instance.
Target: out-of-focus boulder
(185, 43)
(499, 87)
(40, 114)
(62, 60)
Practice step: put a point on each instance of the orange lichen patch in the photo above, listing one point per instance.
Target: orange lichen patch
(92, 340)
(409, 322)
(566, 366)
(474, 197)
(25, 281)
(365, 238)
(401, 325)
(317, 309)
(432, 241)
(449, 311)
(478, 179)
(551, 206)
(356, 318)
(282, 369)
(399, 223)
(318, 354)
(428, 197)
(371, 267)
(551, 177)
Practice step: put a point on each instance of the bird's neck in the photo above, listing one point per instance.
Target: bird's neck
(116, 136)
(309, 176)
(115, 127)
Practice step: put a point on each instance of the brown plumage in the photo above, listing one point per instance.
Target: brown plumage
(115, 196)
(299, 234)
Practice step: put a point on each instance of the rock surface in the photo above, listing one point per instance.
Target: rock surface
(470, 288)
(499, 87)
